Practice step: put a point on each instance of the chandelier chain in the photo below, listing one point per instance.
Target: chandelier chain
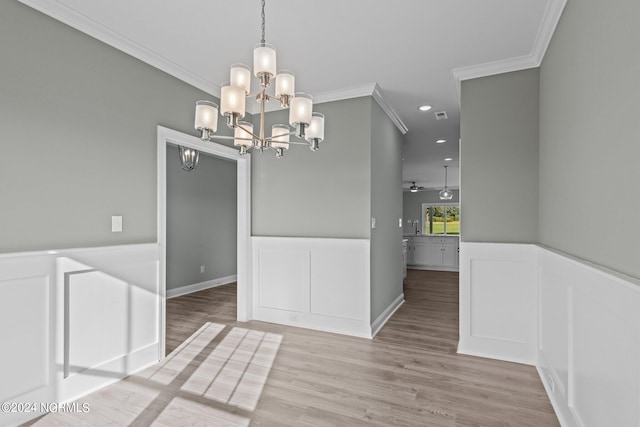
(263, 41)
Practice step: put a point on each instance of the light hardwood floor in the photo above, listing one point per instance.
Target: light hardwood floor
(409, 375)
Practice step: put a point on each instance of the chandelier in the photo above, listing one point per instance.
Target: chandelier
(305, 124)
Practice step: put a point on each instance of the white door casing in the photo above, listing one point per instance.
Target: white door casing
(169, 136)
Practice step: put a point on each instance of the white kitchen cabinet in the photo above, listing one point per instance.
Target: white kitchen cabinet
(405, 257)
(433, 252)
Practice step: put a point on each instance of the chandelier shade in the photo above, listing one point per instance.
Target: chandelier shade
(285, 84)
(306, 125)
(280, 136)
(300, 110)
(316, 128)
(241, 77)
(232, 101)
(243, 134)
(206, 116)
(264, 60)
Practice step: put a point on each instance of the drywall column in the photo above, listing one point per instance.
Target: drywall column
(499, 158)
(499, 193)
(386, 208)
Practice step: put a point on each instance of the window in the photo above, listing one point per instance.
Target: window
(441, 218)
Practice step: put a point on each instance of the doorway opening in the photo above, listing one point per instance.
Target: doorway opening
(168, 138)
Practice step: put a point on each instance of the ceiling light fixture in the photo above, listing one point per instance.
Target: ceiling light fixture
(445, 194)
(424, 107)
(308, 126)
(414, 188)
(448, 159)
(441, 141)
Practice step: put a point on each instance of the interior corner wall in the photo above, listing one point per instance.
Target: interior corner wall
(201, 220)
(590, 135)
(79, 121)
(412, 206)
(325, 193)
(386, 208)
(499, 158)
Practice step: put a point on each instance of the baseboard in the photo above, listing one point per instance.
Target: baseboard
(471, 351)
(427, 267)
(188, 289)
(565, 420)
(95, 378)
(386, 315)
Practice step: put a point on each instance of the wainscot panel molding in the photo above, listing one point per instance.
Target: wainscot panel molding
(585, 320)
(73, 321)
(589, 342)
(200, 286)
(498, 301)
(313, 283)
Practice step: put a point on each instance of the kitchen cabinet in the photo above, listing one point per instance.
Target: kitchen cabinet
(433, 252)
(405, 257)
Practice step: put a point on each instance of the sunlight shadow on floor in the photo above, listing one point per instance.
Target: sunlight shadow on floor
(210, 379)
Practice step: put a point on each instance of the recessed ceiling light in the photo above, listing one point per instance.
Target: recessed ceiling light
(448, 159)
(424, 107)
(441, 141)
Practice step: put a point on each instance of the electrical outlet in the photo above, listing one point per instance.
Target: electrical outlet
(201, 269)
(552, 384)
(294, 317)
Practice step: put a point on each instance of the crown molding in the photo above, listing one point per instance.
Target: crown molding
(552, 15)
(253, 106)
(387, 108)
(369, 89)
(71, 17)
(550, 20)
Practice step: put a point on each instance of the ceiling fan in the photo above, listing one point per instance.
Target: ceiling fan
(414, 188)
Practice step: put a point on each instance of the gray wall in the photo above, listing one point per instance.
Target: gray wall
(386, 207)
(78, 122)
(317, 194)
(499, 158)
(201, 220)
(590, 135)
(412, 205)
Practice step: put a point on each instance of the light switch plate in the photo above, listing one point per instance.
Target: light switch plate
(116, 223)
(400, 222)
(373, 222)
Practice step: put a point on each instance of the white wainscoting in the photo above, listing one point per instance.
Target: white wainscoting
(313, 283)
(589, 342)
(587, 345)
(72, 321)
(27, 325)
(498, 301)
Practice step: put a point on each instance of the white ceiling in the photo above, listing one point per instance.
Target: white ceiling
(415, 50)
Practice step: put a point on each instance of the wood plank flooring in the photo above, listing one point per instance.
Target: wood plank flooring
(409, 375)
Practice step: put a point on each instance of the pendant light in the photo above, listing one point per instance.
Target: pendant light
(445, 194)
